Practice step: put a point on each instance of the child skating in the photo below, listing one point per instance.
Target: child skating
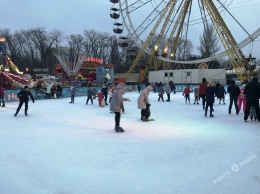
(186, 93)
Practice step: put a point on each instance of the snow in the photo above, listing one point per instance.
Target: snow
(63, 148)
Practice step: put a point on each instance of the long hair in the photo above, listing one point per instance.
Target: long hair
(211, 84)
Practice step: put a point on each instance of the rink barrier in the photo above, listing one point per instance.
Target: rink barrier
(11, 95)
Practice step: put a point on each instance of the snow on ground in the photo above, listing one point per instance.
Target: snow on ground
(63, 148)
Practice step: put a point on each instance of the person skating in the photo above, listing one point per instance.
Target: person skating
(59, 91)
(210, 98)
(202, 91)
(72, 93)
(2, 96)
(143, 102)
(252, 92)
(23, 95)
(90, 96)
(160, 94)
(115, 105)
(100, 98)
(234, 92)
(186, 93)
(242, 99)
(104, 91)
(196, 95)
(221, 94)
(168, 92)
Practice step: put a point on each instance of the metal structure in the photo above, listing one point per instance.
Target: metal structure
(71, 68)
(158, 26)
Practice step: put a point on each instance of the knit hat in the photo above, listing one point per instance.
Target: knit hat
(203, 79)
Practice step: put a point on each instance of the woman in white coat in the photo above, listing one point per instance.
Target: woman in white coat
(143, 102)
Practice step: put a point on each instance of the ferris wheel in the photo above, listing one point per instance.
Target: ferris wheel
(164, 29)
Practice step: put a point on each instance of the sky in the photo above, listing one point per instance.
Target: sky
(73, 17)
(63, 148)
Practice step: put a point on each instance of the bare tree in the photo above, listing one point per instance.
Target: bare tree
(96, 43)
(184, 49)
(208, 42)
(76, 46)
(43, 42)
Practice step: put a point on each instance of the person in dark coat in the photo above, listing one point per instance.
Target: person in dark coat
(104, 91)
(90, 95)
(252, 92)
(221, 94)
(59, 91)
(210, 98)
(202, 91)
(217, 88)
(234, 92)
(23, 95)
(139, 88)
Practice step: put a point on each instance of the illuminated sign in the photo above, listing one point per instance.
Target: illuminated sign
(94, 60)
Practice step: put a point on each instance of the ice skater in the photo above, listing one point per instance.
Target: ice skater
(90, 96)
(2, 96)
(210, 97)
(23, 95)
(115, 105)
(186, 93)
(160, 94)
(196, 95)
(242, 99)
(144, 103)
(221, 94)
(72, 93)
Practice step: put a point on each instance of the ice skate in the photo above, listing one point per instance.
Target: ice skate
(119, 129)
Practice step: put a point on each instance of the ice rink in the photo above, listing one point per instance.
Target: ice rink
(63, 148)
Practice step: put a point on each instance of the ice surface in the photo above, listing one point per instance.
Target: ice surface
(63, 148)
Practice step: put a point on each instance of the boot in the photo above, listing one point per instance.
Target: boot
(211, 115)
(119, 129)
(3, 105)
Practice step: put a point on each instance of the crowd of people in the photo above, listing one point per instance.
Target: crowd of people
(245, 98)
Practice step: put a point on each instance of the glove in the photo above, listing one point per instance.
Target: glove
(148, 105)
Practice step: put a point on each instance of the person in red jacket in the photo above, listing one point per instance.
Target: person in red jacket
(2, 96)
(186, 93)
(202, 91)
(100, 98)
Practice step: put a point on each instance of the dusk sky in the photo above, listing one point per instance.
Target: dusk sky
(73, 17)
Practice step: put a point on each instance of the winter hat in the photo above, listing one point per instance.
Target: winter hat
(25, 87)
(203, 79)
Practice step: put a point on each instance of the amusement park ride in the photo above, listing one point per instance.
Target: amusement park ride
(7, 79)
(169, 21)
